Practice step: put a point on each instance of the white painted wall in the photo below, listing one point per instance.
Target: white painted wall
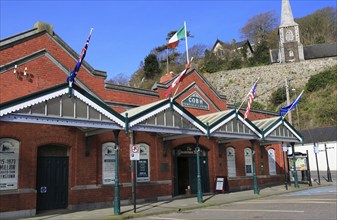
(321, 156)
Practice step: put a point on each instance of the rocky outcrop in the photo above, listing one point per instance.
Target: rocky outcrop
(235, 84)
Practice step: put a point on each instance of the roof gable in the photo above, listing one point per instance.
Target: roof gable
(55, 103)
(278, 129)
(164, 116)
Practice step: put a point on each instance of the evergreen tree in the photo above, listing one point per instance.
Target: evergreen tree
(151, 66)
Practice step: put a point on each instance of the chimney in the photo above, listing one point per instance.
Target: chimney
(41, 26)
(167, 77)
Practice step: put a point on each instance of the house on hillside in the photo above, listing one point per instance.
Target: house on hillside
(219, 48)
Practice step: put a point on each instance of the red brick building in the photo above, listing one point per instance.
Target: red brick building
(61, 151)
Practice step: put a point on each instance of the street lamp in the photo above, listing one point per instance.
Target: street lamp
(298, 119)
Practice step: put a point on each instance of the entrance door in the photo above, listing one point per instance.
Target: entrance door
(52, 182)
(186, 170)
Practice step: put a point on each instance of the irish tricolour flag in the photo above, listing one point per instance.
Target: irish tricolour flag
(174, 40)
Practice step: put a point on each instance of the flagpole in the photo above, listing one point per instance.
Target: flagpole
(247, 95)
(292, 105)
(167, 63)
(186, 42)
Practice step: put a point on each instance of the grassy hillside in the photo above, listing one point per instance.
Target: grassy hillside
(318, 106)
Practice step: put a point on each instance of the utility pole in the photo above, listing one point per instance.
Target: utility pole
(297, 115)
(316, 152)
(327, 163)
(288, 101)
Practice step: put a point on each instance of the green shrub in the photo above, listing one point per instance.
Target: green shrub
(322, 79)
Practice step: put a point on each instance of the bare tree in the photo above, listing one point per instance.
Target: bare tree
(257, 27)
(119, 79)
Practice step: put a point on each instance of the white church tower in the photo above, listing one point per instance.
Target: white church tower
(290, 47)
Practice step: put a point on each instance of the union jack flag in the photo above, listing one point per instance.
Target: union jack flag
(251, 98)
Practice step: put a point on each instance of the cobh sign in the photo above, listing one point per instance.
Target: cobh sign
(195, 101)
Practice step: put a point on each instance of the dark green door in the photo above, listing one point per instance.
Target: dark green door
(203, 173)
(52, 183)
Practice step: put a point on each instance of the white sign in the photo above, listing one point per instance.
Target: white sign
(108, 163)
(134, 152)
(219, 184)
(9, 163)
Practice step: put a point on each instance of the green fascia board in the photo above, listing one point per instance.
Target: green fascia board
(271, 126)
(222, 119)
(297, 133)
(284, 121)
(148, 110)
(189, 114)
(98, 102)
(250, 123)
(56, 88)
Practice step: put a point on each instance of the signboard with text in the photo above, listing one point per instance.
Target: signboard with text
(9, 163)
(195, 101)
(108, 163)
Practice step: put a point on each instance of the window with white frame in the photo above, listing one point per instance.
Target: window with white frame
(231, 167)
(108, 163)
(291, 53)
(248, 161)
(289, 35)
(143, 164)
(271, 162)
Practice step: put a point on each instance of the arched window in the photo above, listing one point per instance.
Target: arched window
(248, 161)
(143, 164)
(291, 53)
(289, 35)
(231, 167)
(271, 162)
(9, 163)
(108, 163)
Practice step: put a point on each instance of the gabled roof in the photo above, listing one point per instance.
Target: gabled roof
(40, 29)
(230, 123)
(236, 45)
(278, 129)
(165, 116)
(53, 104)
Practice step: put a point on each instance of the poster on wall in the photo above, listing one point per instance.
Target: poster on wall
(143, 164)
(108, 163)
(9, 163)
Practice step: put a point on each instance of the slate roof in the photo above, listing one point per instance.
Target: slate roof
(237, 44)
(319, 134)
(311, 52)
(320, 51)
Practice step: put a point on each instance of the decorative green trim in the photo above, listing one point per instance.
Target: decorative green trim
(190, 115)
(171, 104)
(222, 118)
(126, 123)
(208, 133)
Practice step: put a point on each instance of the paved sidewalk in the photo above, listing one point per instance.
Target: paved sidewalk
(173, 205)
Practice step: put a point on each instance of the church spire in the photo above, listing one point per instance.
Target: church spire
(287, 18)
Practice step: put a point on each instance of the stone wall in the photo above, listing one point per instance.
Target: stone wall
(235, 84)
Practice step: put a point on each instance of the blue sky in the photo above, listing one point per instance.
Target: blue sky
(126, 31)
